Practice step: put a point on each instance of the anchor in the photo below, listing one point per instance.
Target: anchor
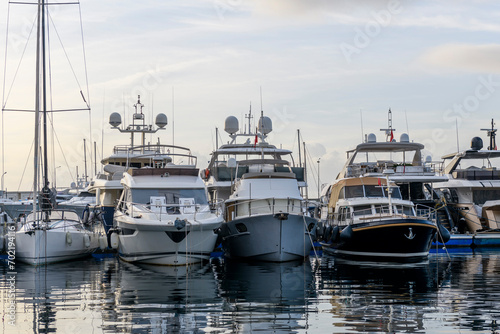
(411, 235)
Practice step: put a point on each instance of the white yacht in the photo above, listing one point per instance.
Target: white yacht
(106, 187)
(266, 217)
(472, 190)
(163, 216)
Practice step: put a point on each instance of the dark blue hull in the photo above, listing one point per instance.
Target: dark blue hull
(399, 239)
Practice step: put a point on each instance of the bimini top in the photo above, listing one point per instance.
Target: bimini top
(352, 182)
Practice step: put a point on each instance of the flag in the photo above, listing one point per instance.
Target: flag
(255, 142)
(379, 182)
(392, 136)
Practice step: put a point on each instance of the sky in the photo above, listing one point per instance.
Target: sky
(329, 68)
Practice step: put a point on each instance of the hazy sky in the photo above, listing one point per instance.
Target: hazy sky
(321, 64)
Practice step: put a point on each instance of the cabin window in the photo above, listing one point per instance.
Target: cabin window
(362, 210)
(395, 193)
(374, 191)
(484, 195)
(344, 214)
(341, 193)
(354, 191)
(407, 210)
(172, 196)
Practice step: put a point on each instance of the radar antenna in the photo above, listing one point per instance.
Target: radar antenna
(389, 132)
(492, 134)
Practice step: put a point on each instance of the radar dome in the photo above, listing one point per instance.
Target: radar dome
(231, 125)
(115, 119)
(265, 125)
(371, 138)
(404, 138)
(476, 143)
(161, 120)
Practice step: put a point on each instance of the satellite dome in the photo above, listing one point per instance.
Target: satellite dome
(476, 143)
(115, 119)
(371, 138)
(265, 125)
(404, 138)
(161, 120)
(231, 125)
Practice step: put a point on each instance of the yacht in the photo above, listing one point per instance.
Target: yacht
(369, 210)
(266, 217)
(472, 190)
(163, 216)
(106, 187)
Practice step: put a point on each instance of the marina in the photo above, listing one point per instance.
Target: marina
(176, 227)
(442, 295)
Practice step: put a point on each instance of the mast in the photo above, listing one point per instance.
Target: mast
(491, 133)
(37, 105)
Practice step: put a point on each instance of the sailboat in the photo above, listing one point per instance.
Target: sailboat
(49, 235)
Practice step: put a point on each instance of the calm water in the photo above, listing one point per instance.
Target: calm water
(456, 294)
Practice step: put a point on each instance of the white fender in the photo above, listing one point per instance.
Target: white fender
(69, 238)
(103, 242)
(114, 240)
(86, 240)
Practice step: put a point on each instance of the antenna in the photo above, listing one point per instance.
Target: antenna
(491, 133)
(173, 128)
(407, 128)
(261, 108)
(362, 131)
(456, 129)
(249, 117)
(389, 132)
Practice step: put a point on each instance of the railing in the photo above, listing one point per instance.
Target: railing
(265, 206)
(382, 212)
(162, 211)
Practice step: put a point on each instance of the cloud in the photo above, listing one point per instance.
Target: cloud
(312, 7)
(476, 58)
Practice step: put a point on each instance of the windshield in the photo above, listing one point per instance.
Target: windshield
(171, 196)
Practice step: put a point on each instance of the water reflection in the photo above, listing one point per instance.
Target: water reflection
(460, 293)
(271, 297)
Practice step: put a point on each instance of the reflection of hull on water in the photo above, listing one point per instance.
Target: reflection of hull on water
(286, 283)
(46, 295)
(403, 239)
(267, 238)
(266, 297)
(180, 285)
(382, 297)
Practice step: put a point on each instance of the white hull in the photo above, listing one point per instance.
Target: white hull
(154, 242)
(38, 247)
(268, 238)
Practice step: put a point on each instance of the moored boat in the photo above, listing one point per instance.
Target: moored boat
(266, 217)
(163, 216)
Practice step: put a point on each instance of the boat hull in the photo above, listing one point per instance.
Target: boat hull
(268, 238)
(39, 247)
(159, 243)
(401, 240)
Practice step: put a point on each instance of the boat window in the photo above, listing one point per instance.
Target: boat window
(380, 209)
(407, 210)
(395, 193)
(483, 195)
(362, 210)
(354, 191)
(172, 196)
(374, 191)
(344, 214)
(341, 193)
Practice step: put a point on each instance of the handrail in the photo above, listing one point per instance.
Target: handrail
(165, 209)
(269, 206)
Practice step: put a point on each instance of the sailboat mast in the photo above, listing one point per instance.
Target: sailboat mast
(37, 106)
(44, 104)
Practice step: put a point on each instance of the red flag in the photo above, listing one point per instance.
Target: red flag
(392, 136)
(379, 182)
(255, 142)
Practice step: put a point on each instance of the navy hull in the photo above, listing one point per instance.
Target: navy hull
(400, 239)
